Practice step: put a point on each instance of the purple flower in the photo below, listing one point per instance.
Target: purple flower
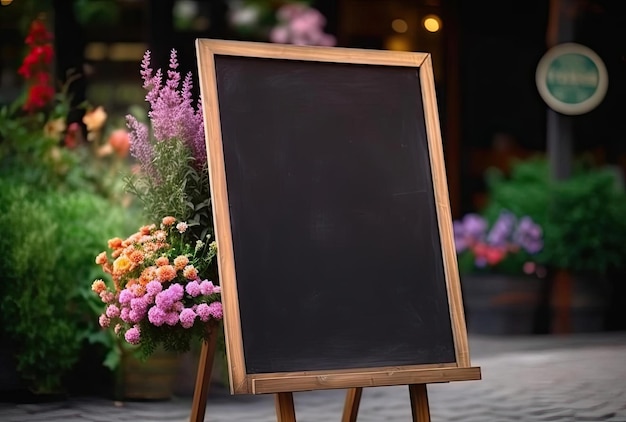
(133, 335)
(125, 296)
(112, 311)
(156, 316)
(474, 226)
(193, 288)
(140, 146)
(138, 304)
(164, 300)
(206, 287)
(187, 318)
(203, 312)
(172, 113)
(215, 310)
(177, 291)
(154, 287)
(124, 314)
(460, 240)
(171, 318)
(502, 229)
(529, 235)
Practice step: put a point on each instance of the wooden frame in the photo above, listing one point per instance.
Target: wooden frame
(245, 383)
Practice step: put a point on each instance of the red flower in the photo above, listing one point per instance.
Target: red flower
(38, 97)
(38, 33)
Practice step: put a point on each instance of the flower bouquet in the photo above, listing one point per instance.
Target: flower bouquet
(508, 246)
(157, 296)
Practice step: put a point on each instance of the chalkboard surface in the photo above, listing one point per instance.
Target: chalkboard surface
(335, 234)
(335, 245)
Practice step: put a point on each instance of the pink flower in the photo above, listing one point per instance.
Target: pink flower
(215, 310)
(187, 318)
(154, 287)
(156, 316)
(104, 321)
(177, 291)
(133, 335)
(181, 227)
(192, 288)
(171, 318)
(164, 300)
(207, 288)
(107, 297)
(125, 296)
(203, 312)
(124, 314)
(112, 311)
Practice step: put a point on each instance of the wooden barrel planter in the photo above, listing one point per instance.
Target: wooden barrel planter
(498, 304)
(152, 379)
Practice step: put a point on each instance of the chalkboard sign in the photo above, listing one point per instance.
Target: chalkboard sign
(332, 218)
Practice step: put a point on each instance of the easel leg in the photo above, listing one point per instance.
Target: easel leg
(351, 407)
(203, 378)
(285, 411)
(419, 403)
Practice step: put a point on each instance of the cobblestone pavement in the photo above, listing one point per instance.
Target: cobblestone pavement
(542, 378)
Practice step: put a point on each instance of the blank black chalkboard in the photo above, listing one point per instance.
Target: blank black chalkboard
(334, 228)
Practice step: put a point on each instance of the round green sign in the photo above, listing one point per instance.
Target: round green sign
(571, 79)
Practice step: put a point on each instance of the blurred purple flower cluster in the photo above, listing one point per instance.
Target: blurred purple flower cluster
(300, 24)
(172, 114)
(507, 236)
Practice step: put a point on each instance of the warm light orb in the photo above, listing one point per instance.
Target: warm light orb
(6, 2)
(432, 23)
(399, 25)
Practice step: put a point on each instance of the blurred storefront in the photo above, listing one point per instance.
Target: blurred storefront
(485, 56)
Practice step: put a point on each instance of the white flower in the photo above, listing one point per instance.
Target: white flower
(181, 227)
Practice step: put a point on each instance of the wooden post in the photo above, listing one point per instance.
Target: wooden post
(203, 378)
(351, 407)
(561, 302)
(419, 403)
(285, 411)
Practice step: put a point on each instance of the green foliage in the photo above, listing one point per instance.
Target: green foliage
(48, 246)
(582, 216)
(177, 188)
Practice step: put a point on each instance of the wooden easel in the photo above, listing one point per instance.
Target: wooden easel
(285, 410)
(203, 377)
(419, 403)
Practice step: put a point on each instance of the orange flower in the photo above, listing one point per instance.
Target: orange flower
(161, 261)
(101, 259)
(180, 262)
(94, 119)
(148, 274)
(115, 243)
(119, 141)
(160, 235)
(168, 221)
(190, 272)
(98, 286)
(146, 229)
(166, 273)
(136, 257)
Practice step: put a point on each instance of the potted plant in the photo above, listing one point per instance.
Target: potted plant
(156, 300)
(172, 185)
(500, 278)
(584, 230)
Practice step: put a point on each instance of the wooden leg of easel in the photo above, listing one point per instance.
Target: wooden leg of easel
(203, 378)
(419, 403)
(285, 411)
(351, 408)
